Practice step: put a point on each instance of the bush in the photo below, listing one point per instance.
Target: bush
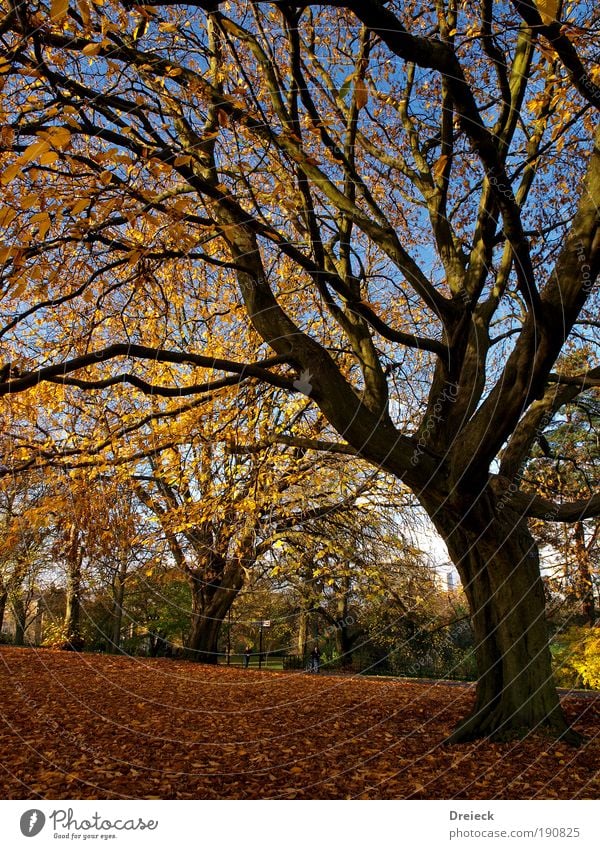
(54, 635)
(576, 656)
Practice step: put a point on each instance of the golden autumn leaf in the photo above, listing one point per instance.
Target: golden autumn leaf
(6, 253)
(7, 215)
(58, 10)
(43, 221)
(80, 205)
(439, 166)
(10, 173)
(92, 49)
(84, 11)
(548, 10)
(34, 150)
(29, 200)
(59, 137)
(49, 157)
(362, 94)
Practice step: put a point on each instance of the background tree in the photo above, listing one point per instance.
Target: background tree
(332, 564)
(126, 548)
(222, 511)
(24, 550)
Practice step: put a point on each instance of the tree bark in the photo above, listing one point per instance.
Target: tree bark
(3, 600)
(342, 635)
(498, 562)
(303, 621)
(211, 602)
(72, 625)
(19, 612)
(343, 643)
(117, 613)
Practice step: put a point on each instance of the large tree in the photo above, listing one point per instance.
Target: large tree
(391, 208)
(221, 514)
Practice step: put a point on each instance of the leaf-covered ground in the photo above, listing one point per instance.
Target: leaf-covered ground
(96, 727)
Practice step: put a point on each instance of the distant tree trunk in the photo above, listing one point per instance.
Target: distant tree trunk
(72, 625)
(497, 559)
(3, 600)
(213, 593)
(343, 643)
(157, 643)
(584, 585)
(117, 612)
(309, 600)
(74, 640)
(19, 612)
(342, 634)
(303, 622)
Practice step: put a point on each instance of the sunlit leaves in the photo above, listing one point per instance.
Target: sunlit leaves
(548, 10)
(439, 166)
(361, 93)
(85, 12)
(92, 49)
(58, 10)
(108, 179)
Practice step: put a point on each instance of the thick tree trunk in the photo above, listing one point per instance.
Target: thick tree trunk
(203, 645)
(497, 559)
(72, 625)
(211, 603)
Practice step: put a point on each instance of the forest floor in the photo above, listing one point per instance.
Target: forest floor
(83, 726)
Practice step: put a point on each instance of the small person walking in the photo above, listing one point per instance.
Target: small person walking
(315, 658)
(247, 653)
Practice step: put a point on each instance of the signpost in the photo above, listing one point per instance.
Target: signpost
(264, 623)
(229, 638)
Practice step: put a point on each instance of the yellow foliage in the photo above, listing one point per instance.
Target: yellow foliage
(59, 9)
(577, 658)
(548, 10)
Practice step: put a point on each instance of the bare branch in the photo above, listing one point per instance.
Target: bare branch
(59, 371)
